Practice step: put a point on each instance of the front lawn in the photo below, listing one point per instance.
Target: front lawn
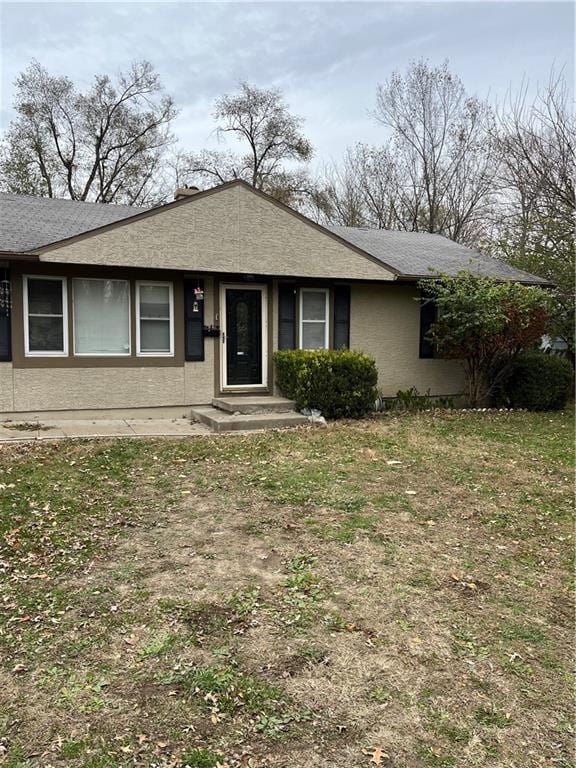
(393, 592)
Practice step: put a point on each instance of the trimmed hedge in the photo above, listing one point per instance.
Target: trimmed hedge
(539, 382)
(340, 384)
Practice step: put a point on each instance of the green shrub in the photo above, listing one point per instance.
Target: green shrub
(538, 382)
(340, 384)
(411, 401)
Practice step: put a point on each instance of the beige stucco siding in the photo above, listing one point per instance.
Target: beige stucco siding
(6, 387)
(274, 242)
(80, 388)
(233, 230)
(385, 322)
(54, 389)
(188, 236)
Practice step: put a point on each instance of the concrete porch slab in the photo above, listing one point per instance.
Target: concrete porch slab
(224, 421)
(247, 404)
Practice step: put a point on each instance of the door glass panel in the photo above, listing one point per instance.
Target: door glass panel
(242, 330)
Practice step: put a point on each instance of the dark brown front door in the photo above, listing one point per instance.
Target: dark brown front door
(243, 337)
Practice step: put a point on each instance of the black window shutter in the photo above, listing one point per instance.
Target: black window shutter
(194, 321)
(5, 350)
(341, 316)
(5, 344)
(286, 317)
(427, 317)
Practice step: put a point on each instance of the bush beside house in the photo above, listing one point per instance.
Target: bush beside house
(340, 384)
(485, 323)
(538, 382)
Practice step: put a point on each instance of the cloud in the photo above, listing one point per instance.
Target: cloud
(326, 56)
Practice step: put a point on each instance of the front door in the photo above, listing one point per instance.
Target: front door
(244, 337)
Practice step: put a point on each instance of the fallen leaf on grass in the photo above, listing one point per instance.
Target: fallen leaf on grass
(376, 755)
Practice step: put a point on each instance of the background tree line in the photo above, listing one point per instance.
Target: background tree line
(497, 178)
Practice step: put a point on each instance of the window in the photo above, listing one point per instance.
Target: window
(313, 318)
(154, 318)
(101, 317)
(428, 316)
(45, 317)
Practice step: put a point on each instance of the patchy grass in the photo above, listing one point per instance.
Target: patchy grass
(398, 589)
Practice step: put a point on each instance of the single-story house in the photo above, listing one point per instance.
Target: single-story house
(107, 307)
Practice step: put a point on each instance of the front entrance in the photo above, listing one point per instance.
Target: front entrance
(244, 360)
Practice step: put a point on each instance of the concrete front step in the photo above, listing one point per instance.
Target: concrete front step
(222, 421)
(254, 404)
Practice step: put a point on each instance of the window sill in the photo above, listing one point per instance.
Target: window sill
(102, 354)
(47, 355)
(154, 354)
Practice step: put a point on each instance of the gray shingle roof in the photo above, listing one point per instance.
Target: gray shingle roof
(28, 222)
(420, 254)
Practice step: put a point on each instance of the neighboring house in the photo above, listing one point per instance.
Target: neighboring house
(105, 307)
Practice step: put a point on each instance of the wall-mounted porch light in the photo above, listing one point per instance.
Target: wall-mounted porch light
(198, 296)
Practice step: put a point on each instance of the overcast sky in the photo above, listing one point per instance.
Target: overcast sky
(326, 56)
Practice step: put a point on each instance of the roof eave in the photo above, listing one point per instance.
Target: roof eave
(19, 256)
(405, 278)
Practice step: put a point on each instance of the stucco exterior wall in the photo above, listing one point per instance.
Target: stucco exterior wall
(385, 322)
(6, 387)
(274, 242)
(54, 389)
(78, 388)
(233, 231)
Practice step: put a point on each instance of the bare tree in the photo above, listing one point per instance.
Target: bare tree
(342, 200)
(444, 157)
(362, 191)
(537, 142)
(272, 141)
(535, 226)
(104, 145)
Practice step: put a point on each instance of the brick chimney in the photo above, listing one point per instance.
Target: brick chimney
(183, 192)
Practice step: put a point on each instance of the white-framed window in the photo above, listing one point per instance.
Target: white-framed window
(314, 318)
(45, 316)
(101, 317)
(154, 319)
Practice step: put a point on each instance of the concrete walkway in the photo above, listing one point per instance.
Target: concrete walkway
(47, 429)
